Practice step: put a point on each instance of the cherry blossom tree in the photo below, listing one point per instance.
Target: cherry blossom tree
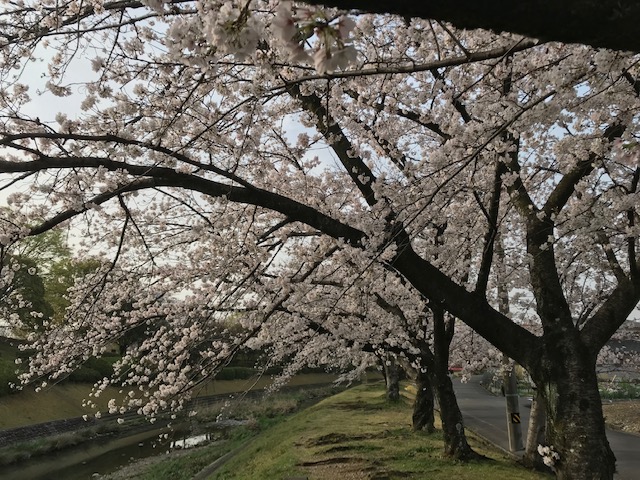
(215, 138)
(377, 314)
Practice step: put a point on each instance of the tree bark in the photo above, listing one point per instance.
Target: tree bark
(455, 439)
(423, 408)
(536, 433)
(392, 378)
(575, 423)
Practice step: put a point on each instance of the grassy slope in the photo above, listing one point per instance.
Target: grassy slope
(65, 401)
(55, 403)
(358, 435)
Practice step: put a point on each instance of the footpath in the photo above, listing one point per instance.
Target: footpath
(484, 414)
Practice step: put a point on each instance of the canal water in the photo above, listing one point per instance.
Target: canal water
(103, 455)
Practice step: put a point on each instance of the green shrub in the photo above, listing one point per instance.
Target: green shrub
(103, 365)
(93, 370)
(7, 376)
(85, 375)
(235, 373)
(619, 390)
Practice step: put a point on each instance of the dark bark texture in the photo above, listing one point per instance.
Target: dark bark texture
(599, 23)
(423, 413)
(455, 439)
(392, 378)
(536, 435)
(575, 423)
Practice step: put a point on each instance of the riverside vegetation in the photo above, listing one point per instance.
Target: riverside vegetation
(417, 448)
(252, 412)
(355, 434)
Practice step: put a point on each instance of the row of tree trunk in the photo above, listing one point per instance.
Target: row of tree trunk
(432, 375)
(429, 380)
(434, 386)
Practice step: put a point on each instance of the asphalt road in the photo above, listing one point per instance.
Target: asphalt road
(485, 414)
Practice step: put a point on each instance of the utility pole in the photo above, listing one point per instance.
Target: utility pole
(509, 381)
(514, 425)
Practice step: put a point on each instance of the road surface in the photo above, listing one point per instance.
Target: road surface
(484, 413)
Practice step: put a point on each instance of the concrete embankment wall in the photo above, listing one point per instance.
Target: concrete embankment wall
(55, 427)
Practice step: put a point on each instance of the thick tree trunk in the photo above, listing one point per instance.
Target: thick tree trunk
(575, 423)
(567, 21)
(392, 378)
(423, 413)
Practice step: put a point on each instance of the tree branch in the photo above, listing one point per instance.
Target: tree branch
(494, 53)
(603, 23)
(359, 172)
(603, 240)
(565, 188)
(492, 228)
(153, 177)
(611, 314)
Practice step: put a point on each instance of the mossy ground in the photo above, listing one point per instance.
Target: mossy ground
(357, 434)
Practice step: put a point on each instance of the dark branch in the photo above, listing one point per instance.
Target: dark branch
(565, 188)
(154, 177)
(603, 23)
(492, 228)
(359, 172)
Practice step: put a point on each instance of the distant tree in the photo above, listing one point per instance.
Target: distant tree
(27, 309)
(62, 275)
(46, 250)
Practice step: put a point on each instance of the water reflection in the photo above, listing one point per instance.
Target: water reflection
(102, 455)
(191, 441)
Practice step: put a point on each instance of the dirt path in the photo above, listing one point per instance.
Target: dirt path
(623, 415)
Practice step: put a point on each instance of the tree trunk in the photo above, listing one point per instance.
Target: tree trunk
(536, 433)
(392, 378)
(423, 415)
(455, 439)
(575, 423)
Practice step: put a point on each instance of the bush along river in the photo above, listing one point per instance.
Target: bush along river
(105, 454)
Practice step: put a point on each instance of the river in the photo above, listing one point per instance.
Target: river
(104, 455)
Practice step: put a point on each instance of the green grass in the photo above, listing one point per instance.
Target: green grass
(354, 434)
(53, 403)
(187, 465)
(260, 413)
(619, 390)
(358, 431)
